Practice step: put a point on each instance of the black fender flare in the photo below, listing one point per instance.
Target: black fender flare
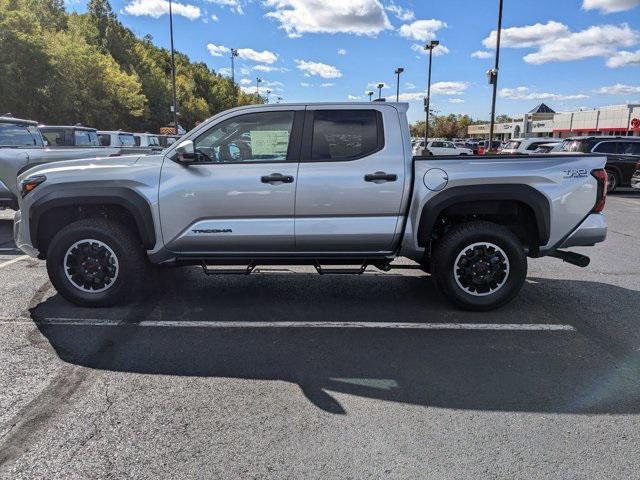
(69, 195)
(525, 194)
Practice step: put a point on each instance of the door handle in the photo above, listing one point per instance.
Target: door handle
(380, 177)
(276, 178)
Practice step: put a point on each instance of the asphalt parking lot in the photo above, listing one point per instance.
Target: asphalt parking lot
(204, 379)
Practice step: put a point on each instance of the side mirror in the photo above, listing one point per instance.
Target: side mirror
(185, 152)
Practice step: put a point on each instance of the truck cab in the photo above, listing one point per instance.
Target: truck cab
(57, 136)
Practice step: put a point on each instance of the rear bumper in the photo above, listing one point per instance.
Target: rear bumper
(592, 230)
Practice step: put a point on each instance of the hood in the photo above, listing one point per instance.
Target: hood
(69, 167)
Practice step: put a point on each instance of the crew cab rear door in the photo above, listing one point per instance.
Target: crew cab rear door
(350, 180)
(239, 194)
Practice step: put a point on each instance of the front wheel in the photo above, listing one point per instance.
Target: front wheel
(96, 263)
(479, 265)
(612, 181)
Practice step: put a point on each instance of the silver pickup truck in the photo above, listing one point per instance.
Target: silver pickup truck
(329, 185)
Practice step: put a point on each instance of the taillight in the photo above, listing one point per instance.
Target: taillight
(603, 182)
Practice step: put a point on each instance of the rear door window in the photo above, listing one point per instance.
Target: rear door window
(16, 135)
(126, 140)
(340, 135)
(629, 148)
(607, 147)
(86, 138)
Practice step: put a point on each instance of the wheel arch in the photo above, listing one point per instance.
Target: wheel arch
(58, 206)
(485, 200)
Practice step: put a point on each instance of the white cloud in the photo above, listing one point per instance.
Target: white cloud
(269, 68)
(305, 84)
(353, 97)
(596, 41)
(245, 53)
(214, 18)
(437, 51)
(618, 89)
(456, 100)
(157, 8)
(439, 88)
(401, 13)
(422, 30)
(234, 5)
(624, 59)
(358, 17)
(320, 69)
(327, 84)
(409, 86)
(342, 51)
(264, 56)
(528, 36)
(610, 6)
(217, 50)
(482, 54)
(226, 71)
(525, 93)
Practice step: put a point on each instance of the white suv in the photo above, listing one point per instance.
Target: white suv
(444, 147)
(527, 146)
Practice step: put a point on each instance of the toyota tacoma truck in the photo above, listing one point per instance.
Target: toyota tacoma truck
(329, 185)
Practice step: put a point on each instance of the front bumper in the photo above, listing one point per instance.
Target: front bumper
(21, 236)
(592, 230)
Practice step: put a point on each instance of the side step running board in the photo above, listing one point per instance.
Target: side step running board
(341, 271)
(239, 268)
(571, 257)
(228, 271)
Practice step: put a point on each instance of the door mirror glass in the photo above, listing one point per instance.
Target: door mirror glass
(185, 152)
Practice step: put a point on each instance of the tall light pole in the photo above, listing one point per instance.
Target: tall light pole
(429, 46)
(370, 95)
(493, 77)
(380, 86)
(268, 93)
(398, 71)
(234, 53)
(258, 80)
(279, 99)
(173, 72)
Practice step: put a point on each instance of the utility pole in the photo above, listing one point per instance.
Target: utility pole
(493, 78)
(258, 80)
(429, 46)
(173, 72)
(234, 53)
(398, 71)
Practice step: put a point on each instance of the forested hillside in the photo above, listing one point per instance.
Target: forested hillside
(62, 68)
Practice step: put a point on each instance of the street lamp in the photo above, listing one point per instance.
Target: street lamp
(493, 77)
(268, 93)
(278, 99)
(234, 53)
(398, 71)
(370, 95)
(258, 81)
(429, 46)
(380, 86)
(174, 107)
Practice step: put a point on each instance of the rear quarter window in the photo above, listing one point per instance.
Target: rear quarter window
(346, 134)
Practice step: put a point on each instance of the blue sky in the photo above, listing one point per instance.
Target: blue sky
(566, 53)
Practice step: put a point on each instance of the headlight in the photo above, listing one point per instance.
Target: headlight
(30, 183)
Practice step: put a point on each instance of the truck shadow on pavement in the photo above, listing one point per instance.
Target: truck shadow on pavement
(589, 370)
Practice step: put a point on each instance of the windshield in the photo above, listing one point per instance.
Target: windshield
(16, 135)
(583, 146)
(86, 138)
(512, 145)
(127, 140)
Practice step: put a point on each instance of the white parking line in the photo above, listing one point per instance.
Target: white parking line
(287, 324)
(11, 262)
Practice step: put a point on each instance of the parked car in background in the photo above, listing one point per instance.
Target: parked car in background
(116, 138)
(22, 146)
(623, 154)
(635, 178)
(548, 148)
(167, 140)
(526, 146)
(69, 136)
(445, 147)
(147, 140)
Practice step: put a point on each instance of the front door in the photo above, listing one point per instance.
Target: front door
(350, 181)
(239, 194)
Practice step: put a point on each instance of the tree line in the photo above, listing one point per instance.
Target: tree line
(66, 68)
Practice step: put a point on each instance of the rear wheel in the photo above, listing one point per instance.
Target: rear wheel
(96, 263)
(479, 265)
(613, 181)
